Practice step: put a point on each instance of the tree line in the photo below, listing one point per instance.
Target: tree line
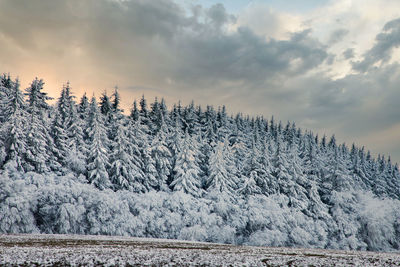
(199, 152)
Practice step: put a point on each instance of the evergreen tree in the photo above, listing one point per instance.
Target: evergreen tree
(60, 126)
(105, 105)
(37, 98)
(116, 101)
(281, 169)
(40, 147)
(162, 156)
(120, 161)
(135, 112)
(150, 181)
(251, 178)
(249, 186)
(222, 177)
(75, 123)
(83, 108)
(136, 137)
(186, 171)
(14, 127)
(6, 89)
(97, 161)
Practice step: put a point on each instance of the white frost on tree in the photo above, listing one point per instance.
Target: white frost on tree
(186, 171)
(98, 155)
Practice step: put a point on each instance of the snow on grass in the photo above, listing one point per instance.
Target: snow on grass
(75, 250)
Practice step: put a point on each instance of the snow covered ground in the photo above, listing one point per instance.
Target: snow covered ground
(74, 250)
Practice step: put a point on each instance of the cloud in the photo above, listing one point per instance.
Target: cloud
(218, 16)
(337, 36)
(268, 22)
(381, 52)
(348, 53)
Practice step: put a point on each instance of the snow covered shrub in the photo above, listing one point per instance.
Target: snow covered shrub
(193, 233)
(17, 204)
(379, 218)
(60, 209)
(221, 234)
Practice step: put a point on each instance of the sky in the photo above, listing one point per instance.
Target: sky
(330, 66)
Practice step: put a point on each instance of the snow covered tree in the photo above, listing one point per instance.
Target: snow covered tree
(222, 177)
(40, 148)
(249, 185)
(83, 108)
(59, 127)
(105, 104)
(281, 168)
(150, 181)
(134, 112)
(6, 86)
(136, 137)
(116, 101)
(186, 171)
(162, 156)
(13, 129)
(120, 160)
(251, 178)
(97, 161)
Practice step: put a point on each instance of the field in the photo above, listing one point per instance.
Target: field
(74, 250)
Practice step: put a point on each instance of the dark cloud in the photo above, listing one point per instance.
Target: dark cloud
(349, 53)
(381, 52)
(354, 107)
(157, 41)
(218, 16)
(243, 56)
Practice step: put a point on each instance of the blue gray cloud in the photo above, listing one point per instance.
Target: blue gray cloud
(381, 52)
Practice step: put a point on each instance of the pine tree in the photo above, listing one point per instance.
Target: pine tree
(251, 176)
(281, 169)
(136, 137)
(162, 156)
(5, 81)
(76, 156)
(13, 129)
(190, 119)
(186, 171)
(36, 97)
(116, 101)
(134, 112)
(40, 148)
(174, 141)
(6, 89)
(97, 161)
(120, 161)
(60, 126)
(267, 181)
(83, 108)
(150, 181)
(222, 177)
(105, 104)
(249, 185)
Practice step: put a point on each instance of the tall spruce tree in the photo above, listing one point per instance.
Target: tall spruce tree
(222, 177)
(40, 149)
(186, 171)
(97, 161)
(162, 156)
(13, 129)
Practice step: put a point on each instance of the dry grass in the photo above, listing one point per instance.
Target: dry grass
(61, 250)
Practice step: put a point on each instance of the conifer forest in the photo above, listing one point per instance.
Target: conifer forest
(85, 166)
